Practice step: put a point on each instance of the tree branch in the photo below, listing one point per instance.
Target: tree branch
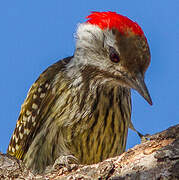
(157, 158)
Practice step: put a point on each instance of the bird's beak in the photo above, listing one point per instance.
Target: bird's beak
(140, 86)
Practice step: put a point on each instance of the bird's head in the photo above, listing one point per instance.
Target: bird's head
(116, 47)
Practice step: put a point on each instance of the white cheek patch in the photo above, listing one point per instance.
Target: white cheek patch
(92, 44)
(87, 34)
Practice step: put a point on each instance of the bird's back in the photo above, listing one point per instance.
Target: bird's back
(33, 109)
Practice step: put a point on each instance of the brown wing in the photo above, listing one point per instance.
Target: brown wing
(36, 104)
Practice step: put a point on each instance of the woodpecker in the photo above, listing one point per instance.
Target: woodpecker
(81, 106)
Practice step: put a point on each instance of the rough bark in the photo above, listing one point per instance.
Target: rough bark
(157, 158)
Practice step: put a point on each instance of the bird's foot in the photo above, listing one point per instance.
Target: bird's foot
(144, 138)
(66, 161)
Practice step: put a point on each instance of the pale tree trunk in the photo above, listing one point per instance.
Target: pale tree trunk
(157, 158)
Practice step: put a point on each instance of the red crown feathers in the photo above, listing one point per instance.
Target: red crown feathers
(110, 20)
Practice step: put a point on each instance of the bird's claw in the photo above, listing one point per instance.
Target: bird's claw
(144, 138)
(66, 161)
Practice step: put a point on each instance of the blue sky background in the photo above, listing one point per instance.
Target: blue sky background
(36, 33)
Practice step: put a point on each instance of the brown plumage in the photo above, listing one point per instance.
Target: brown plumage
(81, 105)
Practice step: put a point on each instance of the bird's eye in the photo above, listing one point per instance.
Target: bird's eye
(114, 56)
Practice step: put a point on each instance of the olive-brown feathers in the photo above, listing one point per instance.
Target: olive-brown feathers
(134, 52)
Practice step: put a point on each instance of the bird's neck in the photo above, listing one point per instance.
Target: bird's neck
(95, 88)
